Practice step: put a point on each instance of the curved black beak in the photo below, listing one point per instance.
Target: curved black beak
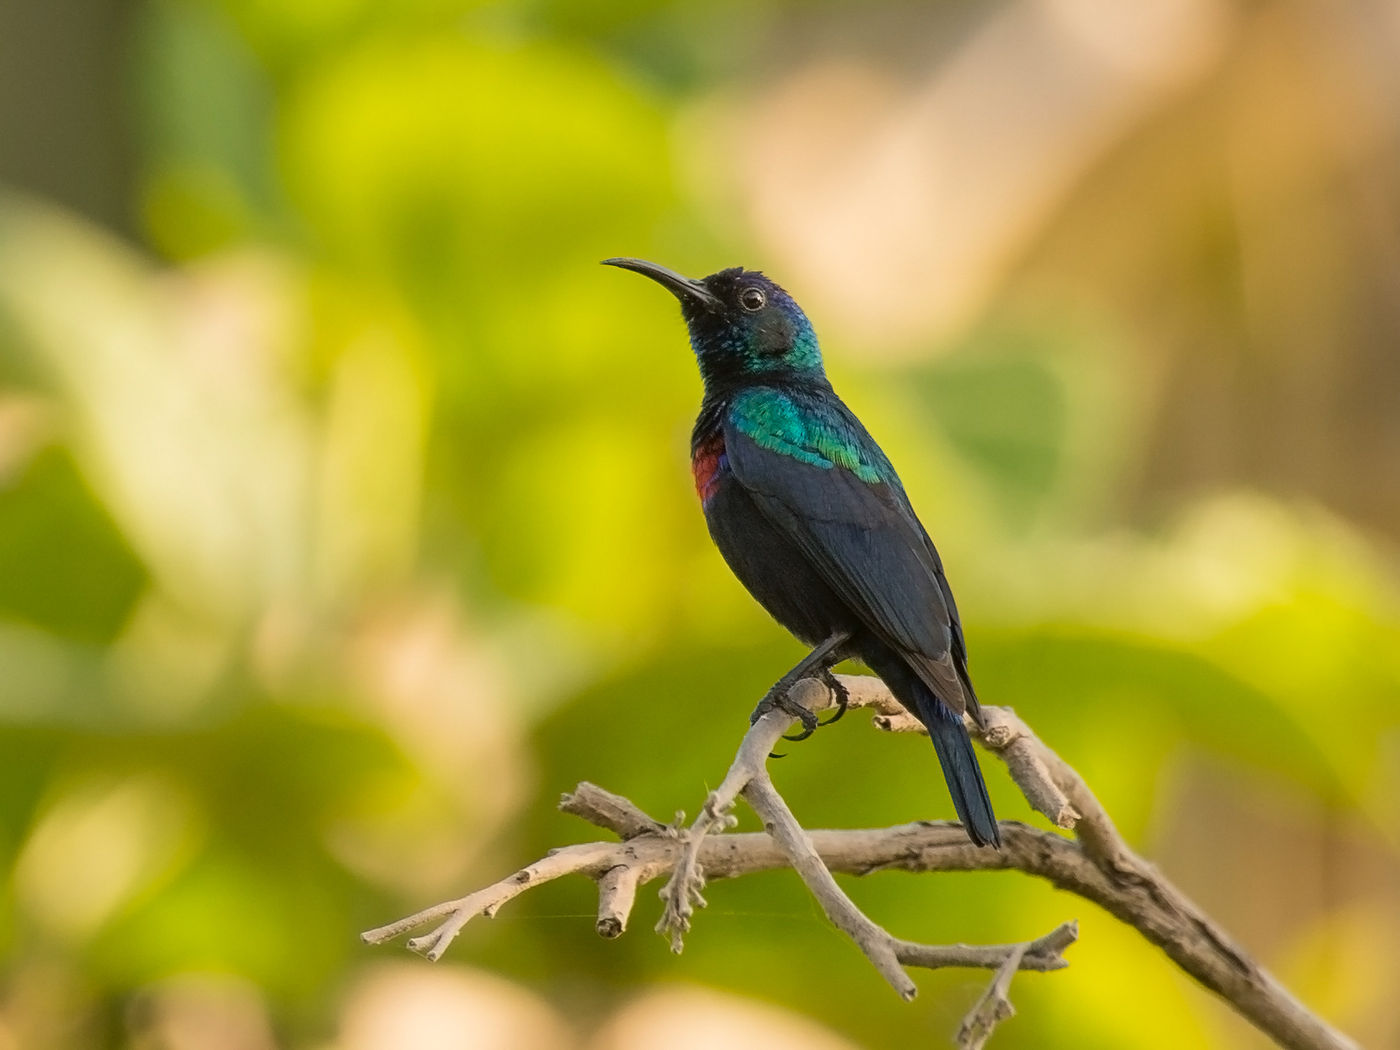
(686, 289)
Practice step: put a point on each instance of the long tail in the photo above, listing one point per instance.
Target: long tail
(960, 767)
(950, 740)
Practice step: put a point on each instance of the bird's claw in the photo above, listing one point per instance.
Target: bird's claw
(809, 726)
(842, 694)
(779, 699)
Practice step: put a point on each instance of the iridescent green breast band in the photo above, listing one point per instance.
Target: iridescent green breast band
(778, 423)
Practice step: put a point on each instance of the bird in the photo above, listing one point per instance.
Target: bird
(809, 514)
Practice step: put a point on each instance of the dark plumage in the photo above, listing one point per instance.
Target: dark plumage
(812, 518)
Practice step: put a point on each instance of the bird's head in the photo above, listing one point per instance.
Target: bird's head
(743, 327)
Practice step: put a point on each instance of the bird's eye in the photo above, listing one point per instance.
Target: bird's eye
(752, 299)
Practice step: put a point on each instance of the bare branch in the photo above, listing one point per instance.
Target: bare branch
(878, 946)
(1098, 866)
(1043, 953)
(993, 1007)
(606, 810)
(682, 892)
(486, 902)
(617, 892)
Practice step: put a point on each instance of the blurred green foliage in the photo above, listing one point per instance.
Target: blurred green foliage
(344, 522)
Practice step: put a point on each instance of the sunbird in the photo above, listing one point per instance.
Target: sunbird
(813, 520)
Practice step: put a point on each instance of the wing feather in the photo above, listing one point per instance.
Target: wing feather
(858, 530)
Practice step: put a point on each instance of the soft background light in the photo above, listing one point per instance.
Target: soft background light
(345, 518)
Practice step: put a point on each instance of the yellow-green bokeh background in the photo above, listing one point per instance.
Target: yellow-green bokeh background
(345, 519)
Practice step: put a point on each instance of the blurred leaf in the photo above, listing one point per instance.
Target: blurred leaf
(204, 120)
(1006, 412)
(63, 564)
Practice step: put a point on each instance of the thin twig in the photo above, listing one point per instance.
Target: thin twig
(683, 891)
(993, 1007)
(778, 821)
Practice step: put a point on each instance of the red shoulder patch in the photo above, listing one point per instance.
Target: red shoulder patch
(706, 463)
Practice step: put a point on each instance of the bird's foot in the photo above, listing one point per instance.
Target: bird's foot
(780, 699)
(840, 692)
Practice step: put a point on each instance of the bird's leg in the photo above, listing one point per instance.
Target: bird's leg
(839, 691)
(818, 662)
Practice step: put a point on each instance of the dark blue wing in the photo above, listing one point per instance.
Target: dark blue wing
(816, 474)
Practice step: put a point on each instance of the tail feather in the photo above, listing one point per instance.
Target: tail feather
(950, 740)
(960, 768)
